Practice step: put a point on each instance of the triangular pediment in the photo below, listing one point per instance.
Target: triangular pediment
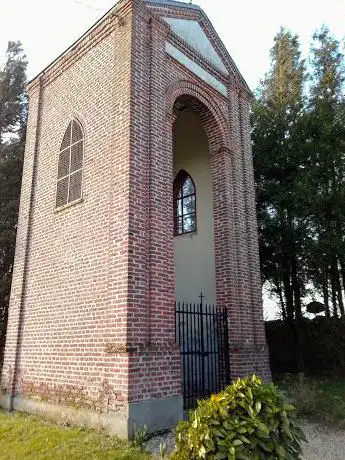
(192, 33)
(189, 22)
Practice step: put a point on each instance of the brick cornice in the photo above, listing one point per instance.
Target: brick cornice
(150, 16)
(140, 348)
(246, 96)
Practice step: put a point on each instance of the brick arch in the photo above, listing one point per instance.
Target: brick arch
(211, 116)
(73, 116)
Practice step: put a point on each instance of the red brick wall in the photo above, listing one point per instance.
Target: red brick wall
(155, 372)
(226, 123)
(97, 298)
(75, 291)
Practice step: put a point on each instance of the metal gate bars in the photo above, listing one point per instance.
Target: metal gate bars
(202, 335)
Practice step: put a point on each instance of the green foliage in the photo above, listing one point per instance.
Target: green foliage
(278, 161)
(140, 434)
(325, 174)
(248, 420)
(163, 450)
(299, 157)
(13, 104)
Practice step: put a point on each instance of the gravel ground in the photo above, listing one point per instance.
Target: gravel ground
(153, 445)
(325, 443)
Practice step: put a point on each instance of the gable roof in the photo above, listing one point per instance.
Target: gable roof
(190, 23)
(192, 32)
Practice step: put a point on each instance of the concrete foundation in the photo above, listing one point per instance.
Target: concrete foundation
(157, 414)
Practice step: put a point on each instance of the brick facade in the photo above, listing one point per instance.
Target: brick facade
(92, 319)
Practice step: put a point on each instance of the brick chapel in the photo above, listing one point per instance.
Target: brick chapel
(137, 195)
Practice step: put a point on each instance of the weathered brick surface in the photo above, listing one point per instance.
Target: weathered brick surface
(75, 293)
(95, 283)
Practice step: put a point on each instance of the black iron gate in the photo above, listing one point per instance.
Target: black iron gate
(202, 335)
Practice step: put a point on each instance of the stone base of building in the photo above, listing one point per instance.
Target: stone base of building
(157, 414)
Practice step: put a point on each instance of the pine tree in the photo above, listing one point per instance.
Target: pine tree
(12, 92)
(326, 172)
(279, 161)
(299, 155)
(13, 110)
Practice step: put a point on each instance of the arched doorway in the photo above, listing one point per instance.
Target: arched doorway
(193, 208)
(201, 324)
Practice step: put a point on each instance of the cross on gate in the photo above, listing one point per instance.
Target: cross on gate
(201, 297)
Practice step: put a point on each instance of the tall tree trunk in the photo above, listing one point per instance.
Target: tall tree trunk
(298, 321)
(3, 328)
(342, 270)
(296, 290)
(339, 290)
(288, 293)
(291, 323)
(278, 285)
(325, 293)
(334, 291)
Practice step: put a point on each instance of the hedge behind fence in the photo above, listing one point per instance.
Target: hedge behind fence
(323, 346)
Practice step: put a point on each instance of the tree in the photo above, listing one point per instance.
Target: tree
(13, 110)
(278, 159)
(279, 162)
(299, 157)
(13, 104)
(325, 137)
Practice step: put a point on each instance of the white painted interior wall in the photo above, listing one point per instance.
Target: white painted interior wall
(194, 252)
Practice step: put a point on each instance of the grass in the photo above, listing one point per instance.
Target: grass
(27, 437)
(332, 398)
(318, 397)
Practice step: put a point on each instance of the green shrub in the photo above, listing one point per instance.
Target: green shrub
(248, 420)
(140, 434)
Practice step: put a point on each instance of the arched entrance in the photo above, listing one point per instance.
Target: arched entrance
(193, 209)
(199, 136)
(201, 324)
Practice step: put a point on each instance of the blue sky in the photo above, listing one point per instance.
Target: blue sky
(247, 27)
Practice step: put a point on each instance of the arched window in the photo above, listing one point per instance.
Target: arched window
(184, 204)
(70, 170)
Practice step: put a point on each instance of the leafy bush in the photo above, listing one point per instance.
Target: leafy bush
(248, 420)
